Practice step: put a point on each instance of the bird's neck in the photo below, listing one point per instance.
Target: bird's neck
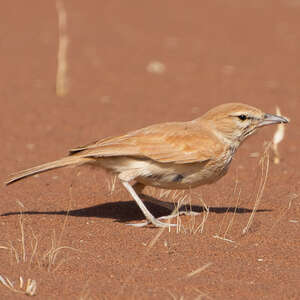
(223, 133)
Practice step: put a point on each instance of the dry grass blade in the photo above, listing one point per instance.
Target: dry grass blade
(9, 282)
(200, 227)
(161, 230)
(30, 287)
(201, 269)
(14, 252)
(264, 164)
(6, 282)
(21, 282)
(22, 237)
(67, 215)
(11, 248)
(112, 184)
(50, 256)
(234, 213)
(223, 238)
(34, 247)
(230, 223)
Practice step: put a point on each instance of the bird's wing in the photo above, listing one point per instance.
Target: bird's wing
(178, 143)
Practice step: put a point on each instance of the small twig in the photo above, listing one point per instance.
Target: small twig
(201, 269)
(22, 237)
(234, 213)
(63, 42)
(277, 138)
(223, 238)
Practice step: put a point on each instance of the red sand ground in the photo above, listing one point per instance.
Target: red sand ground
(213, 52)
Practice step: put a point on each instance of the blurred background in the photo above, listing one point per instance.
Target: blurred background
(130, 65)
(139, 63)
(126, 66)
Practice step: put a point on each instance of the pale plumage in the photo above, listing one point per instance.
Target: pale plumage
(178, 155)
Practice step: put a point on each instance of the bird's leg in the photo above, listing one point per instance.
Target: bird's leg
(150, 218)
(167, 205)
(138, 187)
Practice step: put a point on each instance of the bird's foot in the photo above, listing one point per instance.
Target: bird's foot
(180, 213)
(154, 222)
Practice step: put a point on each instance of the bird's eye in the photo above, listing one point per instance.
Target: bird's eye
(242, 117)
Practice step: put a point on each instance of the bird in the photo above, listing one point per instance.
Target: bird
(172, 155)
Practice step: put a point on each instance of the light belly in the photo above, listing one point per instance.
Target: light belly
(182, 176)
(166, 175)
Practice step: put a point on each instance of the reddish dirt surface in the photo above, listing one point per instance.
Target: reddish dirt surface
(214, 52)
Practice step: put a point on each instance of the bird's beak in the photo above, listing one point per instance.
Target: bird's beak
(272, 119)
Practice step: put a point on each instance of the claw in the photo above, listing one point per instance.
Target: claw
(168, 217)
(154, 222)
(186, 213)
(189, 213)
(138, 224)
(157, 223)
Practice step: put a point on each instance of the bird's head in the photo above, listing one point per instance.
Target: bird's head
(233, 122)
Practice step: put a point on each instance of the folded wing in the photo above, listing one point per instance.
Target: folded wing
(178, 143)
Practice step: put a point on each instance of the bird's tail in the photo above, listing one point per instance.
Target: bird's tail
(63, 162)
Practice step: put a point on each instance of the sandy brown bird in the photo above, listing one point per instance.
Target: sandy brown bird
(175, 155)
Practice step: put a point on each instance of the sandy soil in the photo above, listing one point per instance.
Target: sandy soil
(71, 237)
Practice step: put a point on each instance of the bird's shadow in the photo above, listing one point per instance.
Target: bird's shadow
(125, 211)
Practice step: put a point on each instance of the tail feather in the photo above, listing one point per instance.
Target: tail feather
(66, 161)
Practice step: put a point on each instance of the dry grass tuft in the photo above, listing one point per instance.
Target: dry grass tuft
(183, 199)
(191, 226)
(112, 184)
(20, 252)
(24, 251)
